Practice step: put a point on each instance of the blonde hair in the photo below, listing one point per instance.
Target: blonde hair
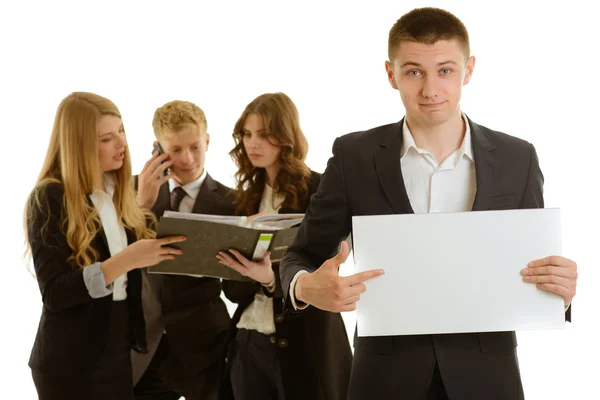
(72, 161)
(177, 115)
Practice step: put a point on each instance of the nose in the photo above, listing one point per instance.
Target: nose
(253, 142)
(430, 87)
(187, 157)
(121, 141)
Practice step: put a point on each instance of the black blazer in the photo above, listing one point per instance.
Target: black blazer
(364, 178)
(191, 309)
(313, 348)
(73, 328)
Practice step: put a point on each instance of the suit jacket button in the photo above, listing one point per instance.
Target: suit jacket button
(283, 343)
(272, 339)
(278, 318)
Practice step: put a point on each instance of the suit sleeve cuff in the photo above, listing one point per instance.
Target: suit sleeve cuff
(298, 305)
(93, 277)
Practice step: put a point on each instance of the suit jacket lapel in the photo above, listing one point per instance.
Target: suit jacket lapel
(163, 201)
(207, 197)
(387, 165)
(101, 232)
(486, 167)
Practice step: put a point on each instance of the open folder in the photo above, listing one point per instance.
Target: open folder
(209, 234)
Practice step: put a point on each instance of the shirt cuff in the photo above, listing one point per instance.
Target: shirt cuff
(270, 287)
(298, 305)
(93, 277)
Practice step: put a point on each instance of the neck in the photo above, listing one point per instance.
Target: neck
(440, 140)
(101, 182)
(183, 182)
(271, 174)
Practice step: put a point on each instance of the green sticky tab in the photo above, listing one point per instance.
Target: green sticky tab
(266, 237)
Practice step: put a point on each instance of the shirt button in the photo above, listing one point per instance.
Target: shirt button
(278, 318)
(283, 343)
(272, 339)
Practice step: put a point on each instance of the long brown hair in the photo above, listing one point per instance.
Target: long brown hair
(281, 116)
(72, 161)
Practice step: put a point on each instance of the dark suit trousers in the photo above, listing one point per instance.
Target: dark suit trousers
(255, 368)
(155, 385)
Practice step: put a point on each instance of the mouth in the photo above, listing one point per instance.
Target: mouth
(119, 157)
(254, 155)
(432, 105)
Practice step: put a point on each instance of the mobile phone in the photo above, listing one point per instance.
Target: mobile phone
(158, 147)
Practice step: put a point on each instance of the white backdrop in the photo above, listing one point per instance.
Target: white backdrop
(534, 78)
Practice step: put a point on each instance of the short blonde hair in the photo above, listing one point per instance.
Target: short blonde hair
(176, 115)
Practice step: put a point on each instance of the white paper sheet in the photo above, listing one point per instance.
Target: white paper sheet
(455, 272)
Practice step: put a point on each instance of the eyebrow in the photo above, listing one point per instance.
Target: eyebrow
(179, 146)
(260, 130)
(415, 64)
(109, 133)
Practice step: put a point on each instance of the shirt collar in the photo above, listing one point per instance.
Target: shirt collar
(465, 148)
(110, 184)
(191, 189)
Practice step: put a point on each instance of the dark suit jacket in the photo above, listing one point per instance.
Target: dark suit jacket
(190, 309)
(313, 348)
(73, 328)
(364, 178)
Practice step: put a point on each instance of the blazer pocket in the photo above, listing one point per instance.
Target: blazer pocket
(497, 341)
(507, 202)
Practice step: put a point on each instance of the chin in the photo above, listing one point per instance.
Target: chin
(187, 176)
(114, 166)
(259, 164)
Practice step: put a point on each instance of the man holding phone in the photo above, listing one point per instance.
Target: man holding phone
(186, 319)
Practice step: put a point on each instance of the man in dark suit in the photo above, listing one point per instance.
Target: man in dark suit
(186, 319)
(433, 160)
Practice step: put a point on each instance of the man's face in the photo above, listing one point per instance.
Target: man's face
(430, 79)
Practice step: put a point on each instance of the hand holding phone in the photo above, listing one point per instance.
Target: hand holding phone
(154, 174)
(158, 147)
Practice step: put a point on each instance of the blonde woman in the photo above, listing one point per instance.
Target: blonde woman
(88, 240)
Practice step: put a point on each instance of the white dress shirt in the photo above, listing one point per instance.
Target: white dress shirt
(113, 229)
(432, 187)
(258, 316)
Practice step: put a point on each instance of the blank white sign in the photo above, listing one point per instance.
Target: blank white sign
(455, 272)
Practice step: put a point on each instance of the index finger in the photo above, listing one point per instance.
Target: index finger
(363, 276)
(156, 161)
(170, 239)
(147, 164)
(552, 260)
